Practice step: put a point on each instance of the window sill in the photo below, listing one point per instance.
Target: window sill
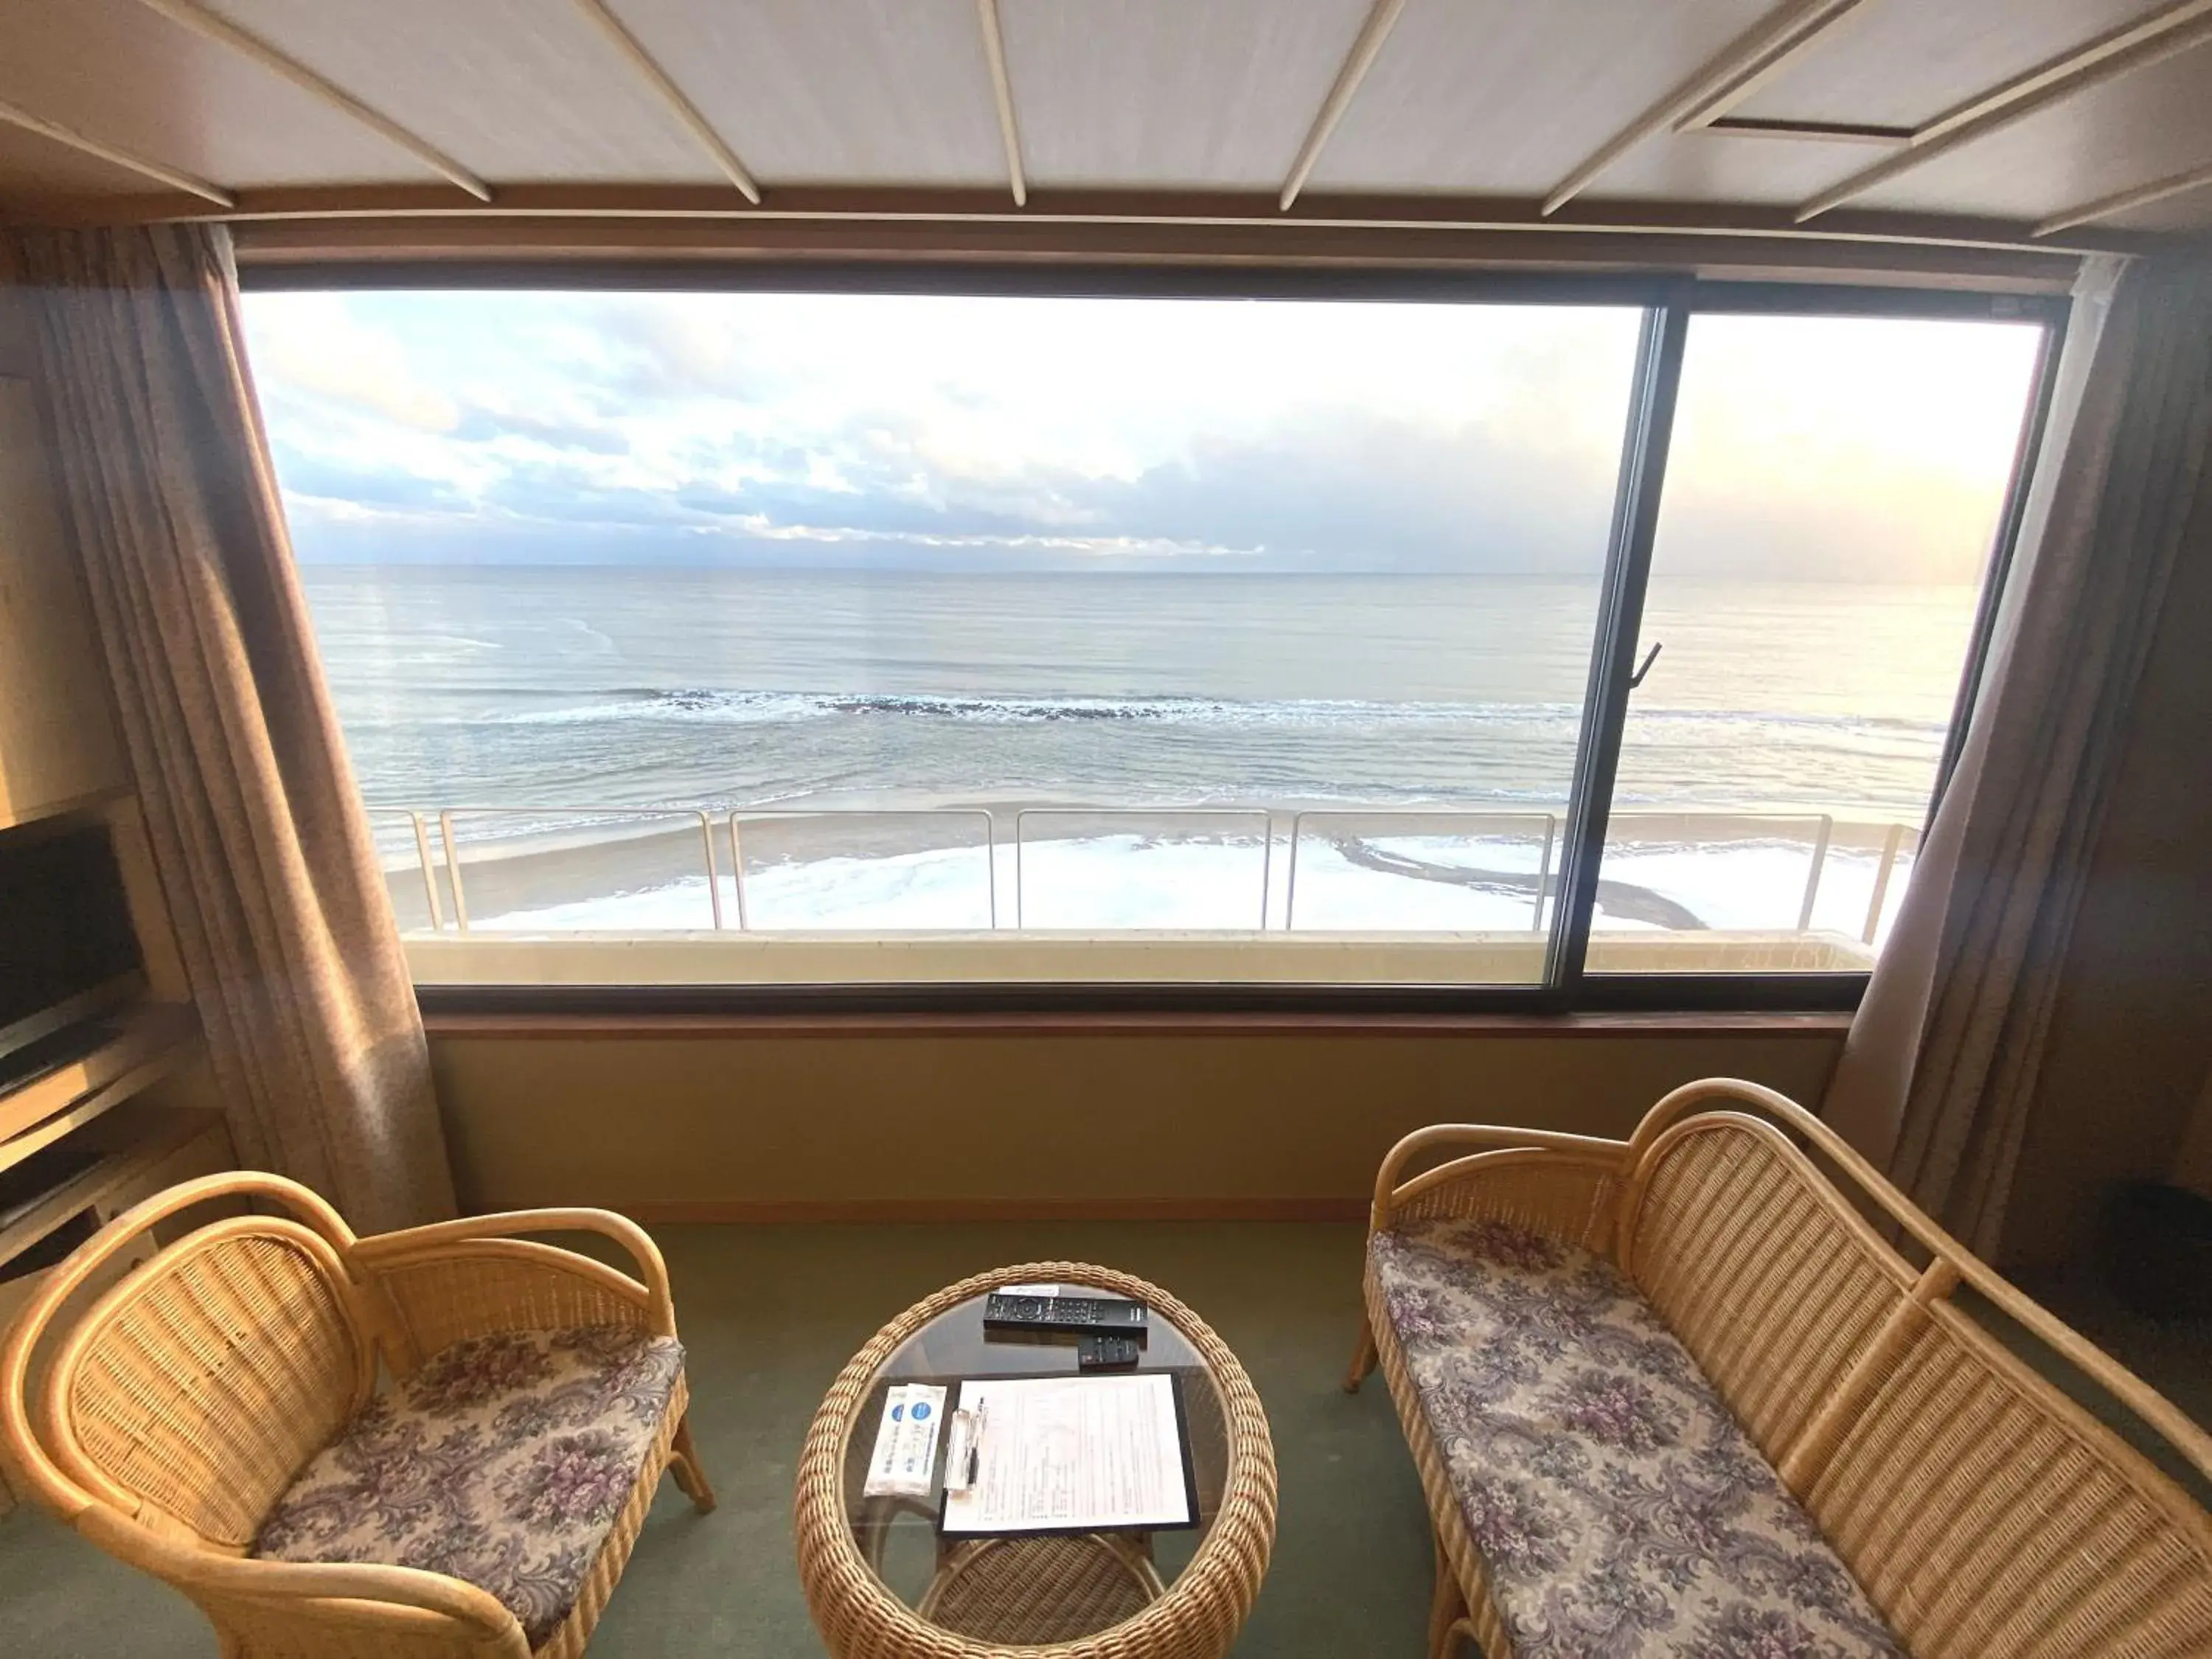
(1486, 966)
(505, 1012)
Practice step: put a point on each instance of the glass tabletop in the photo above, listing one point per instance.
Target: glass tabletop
(1026, 1588)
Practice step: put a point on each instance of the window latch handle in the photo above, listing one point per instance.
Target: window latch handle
(1649, 656)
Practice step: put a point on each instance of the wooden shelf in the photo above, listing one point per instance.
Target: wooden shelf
(14, 815)
(150, 1041)
(130, 1150)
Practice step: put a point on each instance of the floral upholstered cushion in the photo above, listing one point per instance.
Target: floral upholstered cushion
(1621, 1512)
(504, 1460)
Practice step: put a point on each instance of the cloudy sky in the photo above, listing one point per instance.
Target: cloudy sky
(838, 431)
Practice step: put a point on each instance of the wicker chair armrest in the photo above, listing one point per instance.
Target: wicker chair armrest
(1409, 1163)
(481, 1621)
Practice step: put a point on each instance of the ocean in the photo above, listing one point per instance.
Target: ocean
(603, 687)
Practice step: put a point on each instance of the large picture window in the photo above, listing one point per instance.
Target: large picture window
(766, 637)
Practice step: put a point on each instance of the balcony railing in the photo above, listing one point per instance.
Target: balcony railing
(425, 846)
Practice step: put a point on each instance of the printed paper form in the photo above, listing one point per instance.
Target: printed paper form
(1077, 1453)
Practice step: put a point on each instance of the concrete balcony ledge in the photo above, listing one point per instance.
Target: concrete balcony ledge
(708, 957)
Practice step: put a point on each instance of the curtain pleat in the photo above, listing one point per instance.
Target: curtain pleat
(1938, 1082)
(281, 911)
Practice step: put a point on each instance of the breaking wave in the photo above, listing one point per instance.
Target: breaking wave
(767, 707)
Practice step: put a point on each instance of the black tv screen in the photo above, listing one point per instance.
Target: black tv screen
(66, 944)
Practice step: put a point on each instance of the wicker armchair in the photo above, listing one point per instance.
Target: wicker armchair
(182, 1421)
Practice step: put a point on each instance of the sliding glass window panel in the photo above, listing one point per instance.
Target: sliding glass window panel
(1827, 520)
(965, 637)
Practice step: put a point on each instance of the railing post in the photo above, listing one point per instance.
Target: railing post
(453, 869)
(1813, 879)
(990, 861)
(1267, 863)
(1889, 847)
(1020, 921)
(429, 878)
(737, 872)
(1544, 872)
(714, 876)
(1290, 876)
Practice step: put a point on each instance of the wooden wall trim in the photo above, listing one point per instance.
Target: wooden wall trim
(1952, 256)
(455, 1027)
(341, 224)
(905, 1212)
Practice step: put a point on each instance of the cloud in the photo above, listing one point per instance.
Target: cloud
(317, 349)
(831, 431)
(665, 346)
(480, 423)
(1371, 492)
(325, 478)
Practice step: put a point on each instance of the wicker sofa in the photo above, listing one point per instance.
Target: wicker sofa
(1680, 1394)
(213, 1419)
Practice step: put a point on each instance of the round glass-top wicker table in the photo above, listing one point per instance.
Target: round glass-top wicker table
(881, 1581)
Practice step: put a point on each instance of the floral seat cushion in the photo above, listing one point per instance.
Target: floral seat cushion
(1619, 1508)
(503, 1460)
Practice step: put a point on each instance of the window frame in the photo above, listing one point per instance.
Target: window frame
(1643, 476)
(1668, 303)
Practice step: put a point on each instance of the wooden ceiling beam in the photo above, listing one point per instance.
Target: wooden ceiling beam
(1372, 34)
(2104, 207)
(2121, 52)
(14, 116)
(2128, 38)
(1791, 39)
(199, 19)
(686, 112)
(1002, 91)
(1745, 63)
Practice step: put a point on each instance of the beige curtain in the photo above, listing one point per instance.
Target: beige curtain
(1938, 1079)
(280, 912)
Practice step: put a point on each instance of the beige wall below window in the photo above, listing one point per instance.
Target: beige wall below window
(789, 1122)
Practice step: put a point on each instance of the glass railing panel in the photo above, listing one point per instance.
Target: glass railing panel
(1118, 870)
(866, 872)
(575, 870)
(1386, 871)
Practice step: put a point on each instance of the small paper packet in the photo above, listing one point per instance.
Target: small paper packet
(904, 1461)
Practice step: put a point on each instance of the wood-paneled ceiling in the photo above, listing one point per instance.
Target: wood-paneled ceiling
(1964, 123)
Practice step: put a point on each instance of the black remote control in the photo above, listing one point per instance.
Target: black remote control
(1080, 1314)
(1105, 1353)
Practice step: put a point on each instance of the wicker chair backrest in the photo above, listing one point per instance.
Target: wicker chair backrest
(1985, 1511)
(1985, 1514)
(196, 1391)
(1762, 1272)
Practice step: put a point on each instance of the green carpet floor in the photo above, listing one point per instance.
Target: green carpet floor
(769, 1314)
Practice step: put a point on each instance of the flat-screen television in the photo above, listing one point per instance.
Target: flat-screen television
(67, 948)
